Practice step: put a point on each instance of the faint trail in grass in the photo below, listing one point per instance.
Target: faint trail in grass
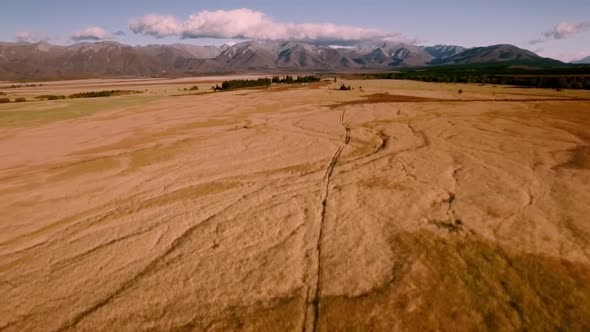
(311, 316)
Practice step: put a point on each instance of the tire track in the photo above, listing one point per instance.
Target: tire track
(311, 315)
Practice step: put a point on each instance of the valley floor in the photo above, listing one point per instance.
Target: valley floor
(395, 206)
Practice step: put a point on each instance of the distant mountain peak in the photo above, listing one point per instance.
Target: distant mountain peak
(495, 54)
(585, 60)
(440, 51)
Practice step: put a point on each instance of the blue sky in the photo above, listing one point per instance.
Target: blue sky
(466, 23)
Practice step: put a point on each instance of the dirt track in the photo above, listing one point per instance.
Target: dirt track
(406, 206)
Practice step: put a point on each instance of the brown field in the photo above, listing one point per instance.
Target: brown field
(399, 206)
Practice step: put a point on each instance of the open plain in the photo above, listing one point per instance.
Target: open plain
(395, 206)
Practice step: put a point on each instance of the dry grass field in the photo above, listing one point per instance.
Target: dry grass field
(396, 206)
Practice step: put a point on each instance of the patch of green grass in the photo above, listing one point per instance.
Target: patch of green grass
(30, 114)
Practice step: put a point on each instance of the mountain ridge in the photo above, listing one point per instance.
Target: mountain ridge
(22, 60)
(583, 61)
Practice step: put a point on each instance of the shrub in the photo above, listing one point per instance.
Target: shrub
(2, 93)
(344, 87)
(20, 100)
(4, 100)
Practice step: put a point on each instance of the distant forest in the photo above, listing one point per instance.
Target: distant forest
(264, 82)
(553, 78)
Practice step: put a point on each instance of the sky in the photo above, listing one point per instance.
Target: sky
(557, 29)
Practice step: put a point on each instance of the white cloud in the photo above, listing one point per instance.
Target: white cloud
(563, 30)
(565, 56)
(91, 33)
(159, 26)
(32, 37)
(249, 24)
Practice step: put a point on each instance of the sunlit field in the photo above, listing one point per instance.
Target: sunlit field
(397, 205)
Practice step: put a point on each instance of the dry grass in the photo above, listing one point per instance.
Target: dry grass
(412, 208)
(467, 284)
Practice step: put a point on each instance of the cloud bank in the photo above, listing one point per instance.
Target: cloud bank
(91, 33)
(563, 30)
(32, 37)
(249, 24)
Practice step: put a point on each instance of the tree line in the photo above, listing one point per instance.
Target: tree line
(106, 93)
(264, 82)
(240, 84)
(16, 100)
(551, 82)
(567, 78)
(17, 86)
(299, 79)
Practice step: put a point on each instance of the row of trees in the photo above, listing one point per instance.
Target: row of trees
(17, 86)
(557, 82)
(552, 82)
(51, 97)
(106, 93)
(91, 94)
(264, 82)
(299, 79)
(16, 100)
(239, 84)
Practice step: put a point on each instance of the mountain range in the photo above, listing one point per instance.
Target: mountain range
(25, 61)
(586, 60)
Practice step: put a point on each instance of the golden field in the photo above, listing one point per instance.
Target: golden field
(396, 206)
